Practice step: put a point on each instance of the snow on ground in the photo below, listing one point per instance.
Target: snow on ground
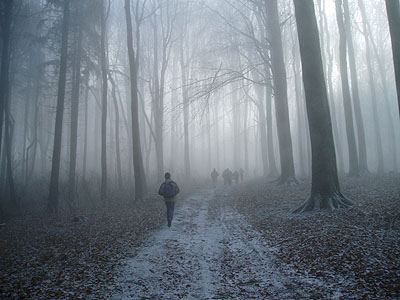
(210, 252)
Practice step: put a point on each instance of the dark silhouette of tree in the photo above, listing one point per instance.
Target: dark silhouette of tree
(325, 190)
(280, 94)
(52, 202)
(104, 90)
(348, 111)
(393, 13)
(140, 177)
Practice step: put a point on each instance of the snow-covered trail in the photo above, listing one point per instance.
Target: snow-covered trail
(210, 252)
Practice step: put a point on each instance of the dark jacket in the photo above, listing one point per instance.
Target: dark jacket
(161, 189)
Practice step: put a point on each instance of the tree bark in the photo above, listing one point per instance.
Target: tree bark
(325, 190)
(52, 201)
(393, 13)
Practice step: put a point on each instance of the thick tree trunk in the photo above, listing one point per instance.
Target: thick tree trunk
(371, 81)
(140, 177)
(52, 201)
(325, 190)
(348, 111)
(393, 13)
(5, 61)
(280, 92)
(362, 148)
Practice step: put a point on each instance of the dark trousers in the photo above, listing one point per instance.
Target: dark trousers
(170, 209)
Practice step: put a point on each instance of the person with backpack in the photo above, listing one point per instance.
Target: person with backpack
(169, 189)
(214, 176)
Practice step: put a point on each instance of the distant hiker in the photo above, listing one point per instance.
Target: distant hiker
(227, 175)
(241, 173)
(214, 176)
(169, 189)
(236, 177)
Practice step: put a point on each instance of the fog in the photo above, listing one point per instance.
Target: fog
(211, 93)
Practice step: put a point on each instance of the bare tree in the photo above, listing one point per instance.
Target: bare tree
(325, 190)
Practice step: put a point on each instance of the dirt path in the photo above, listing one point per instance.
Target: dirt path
(210, 252)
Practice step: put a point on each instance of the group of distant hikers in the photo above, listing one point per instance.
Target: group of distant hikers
(228, 175)
(169, 189)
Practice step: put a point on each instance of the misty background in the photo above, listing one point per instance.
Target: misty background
(204, 86)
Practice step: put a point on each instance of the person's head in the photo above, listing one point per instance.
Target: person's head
(167, 175)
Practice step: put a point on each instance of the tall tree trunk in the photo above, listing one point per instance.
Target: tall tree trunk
(393, 13)
(273, 169)
(362, 148)
(280, 92)
(5, 61)
(74, 120)
(348, 112)
(117, 146)
(104, 72)
(371, 81)
(140, 177)
(85, 138)
(262, 127)
(325, 190)
(52, 202)
(329, 63)
(297, 88)
(185, 100)
(236, 121)
(216, 133)
(388, 111)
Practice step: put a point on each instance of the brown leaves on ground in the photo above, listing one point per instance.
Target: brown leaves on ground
(355, 252)
(71, 257)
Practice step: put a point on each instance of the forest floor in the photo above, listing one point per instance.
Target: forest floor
(239, 242)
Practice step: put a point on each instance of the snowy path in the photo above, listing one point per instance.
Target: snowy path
(210, 252)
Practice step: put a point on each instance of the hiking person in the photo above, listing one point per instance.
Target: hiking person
(214, 176)
(236, 177)
(241, 173)
(169, 189)
(225, 176)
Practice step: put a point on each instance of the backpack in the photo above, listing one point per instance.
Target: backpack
(169, 190)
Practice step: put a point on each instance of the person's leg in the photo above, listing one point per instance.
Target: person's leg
(170, 212)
